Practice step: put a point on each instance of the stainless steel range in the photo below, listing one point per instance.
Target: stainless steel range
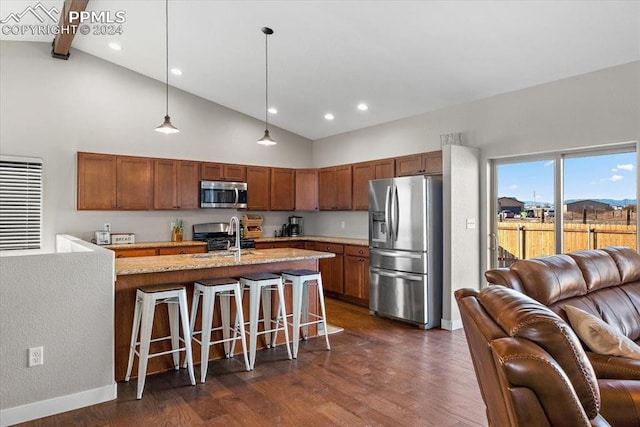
(217, 236)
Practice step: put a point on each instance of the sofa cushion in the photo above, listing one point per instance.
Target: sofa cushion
(599, 336)
(598, 269)
(628, 262)
(550, 279)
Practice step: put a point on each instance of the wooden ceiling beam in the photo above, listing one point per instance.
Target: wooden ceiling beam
(62, 42)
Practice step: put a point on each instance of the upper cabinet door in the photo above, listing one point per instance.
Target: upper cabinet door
(420, 164)
(164, 184)
(306, 190)
(344, 189)
(223, 172)
(187, 188)
(258, 188)
(335, 188)
(134, 188)
(96, 181)
(362, 173)
(385, 168)
(327, 188)
(282, 189)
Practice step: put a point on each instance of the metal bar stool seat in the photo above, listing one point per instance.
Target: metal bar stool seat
(261, 285)
(225, 288)
(147, 297)
(301, 317)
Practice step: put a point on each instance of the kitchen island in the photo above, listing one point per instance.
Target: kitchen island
(185, 269)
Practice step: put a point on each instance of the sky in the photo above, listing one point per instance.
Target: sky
(610, 176)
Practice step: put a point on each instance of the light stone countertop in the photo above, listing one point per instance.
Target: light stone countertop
(165, 263)
(164, 244)
(339, 240)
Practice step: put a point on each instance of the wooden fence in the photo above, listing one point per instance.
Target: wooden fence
(529, 239)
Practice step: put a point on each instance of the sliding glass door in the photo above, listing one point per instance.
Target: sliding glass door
(563, 202)
(524, 210)
(600, 207)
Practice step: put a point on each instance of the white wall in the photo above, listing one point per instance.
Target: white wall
(64, 302)
(461, 250)
(52, 108)
(590, 110)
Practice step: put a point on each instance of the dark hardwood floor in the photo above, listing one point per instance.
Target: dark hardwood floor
(378, 373)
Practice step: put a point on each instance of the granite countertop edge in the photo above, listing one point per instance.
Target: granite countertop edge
(168, 263)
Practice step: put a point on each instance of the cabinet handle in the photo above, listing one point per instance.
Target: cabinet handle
(182, 252)
(360, 251)
(120, 256)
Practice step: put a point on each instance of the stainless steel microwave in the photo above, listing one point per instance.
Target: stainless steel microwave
(220, 194)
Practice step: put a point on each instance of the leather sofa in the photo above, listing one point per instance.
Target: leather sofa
(603, 282)
(531, 368)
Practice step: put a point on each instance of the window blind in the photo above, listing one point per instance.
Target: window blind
(20, 203)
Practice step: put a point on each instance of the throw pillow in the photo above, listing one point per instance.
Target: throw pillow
(599, 336)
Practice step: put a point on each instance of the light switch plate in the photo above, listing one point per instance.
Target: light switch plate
(471, 223)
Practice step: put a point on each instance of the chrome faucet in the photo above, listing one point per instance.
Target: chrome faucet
(234, 220)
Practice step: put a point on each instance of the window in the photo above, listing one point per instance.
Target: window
(20, 203)
(563, 202)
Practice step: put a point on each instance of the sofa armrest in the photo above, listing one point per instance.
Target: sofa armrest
(536, 381)
(620, 402)
(614, 367)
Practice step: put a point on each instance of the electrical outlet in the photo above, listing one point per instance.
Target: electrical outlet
(342, 224)
(36, 356)
(107, 226)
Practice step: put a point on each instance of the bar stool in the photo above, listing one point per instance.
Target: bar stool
(300, 308)
(225, 288)
(262, 284)
(147, 297)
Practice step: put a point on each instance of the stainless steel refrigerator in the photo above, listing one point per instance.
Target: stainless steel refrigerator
(405, 255)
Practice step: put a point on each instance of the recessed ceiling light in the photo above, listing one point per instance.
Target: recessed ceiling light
(115, 46)
(363, 107)
(176, 71)
(273, 110)
(329, 116)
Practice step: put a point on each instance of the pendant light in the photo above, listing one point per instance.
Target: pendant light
(166, 126)
(266, 139)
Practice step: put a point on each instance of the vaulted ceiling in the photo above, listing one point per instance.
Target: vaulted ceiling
(401, 58)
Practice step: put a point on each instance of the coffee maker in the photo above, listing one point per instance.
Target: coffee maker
(295, 225)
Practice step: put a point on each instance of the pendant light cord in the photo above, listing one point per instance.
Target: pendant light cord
(266, 82)
(166, 32)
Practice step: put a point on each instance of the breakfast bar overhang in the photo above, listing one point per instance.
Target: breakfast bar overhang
(132, 273)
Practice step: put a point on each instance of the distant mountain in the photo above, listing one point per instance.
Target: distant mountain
(612, 202)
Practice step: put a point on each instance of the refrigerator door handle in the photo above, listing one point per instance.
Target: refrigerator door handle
(396, 254)
(396, 275)
(387, 211)
(395, 207)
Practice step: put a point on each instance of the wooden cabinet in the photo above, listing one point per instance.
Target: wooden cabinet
(282, 189)
(175, 184)
(272, 245)
(182, 250)
(356, 272)
(335, 188)
(258, 188)
(364, 172)
(296, 244)
(420, 164)
(223, 172)
(107, 182)
(125, 252)
(332, 268)
(306, 193)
